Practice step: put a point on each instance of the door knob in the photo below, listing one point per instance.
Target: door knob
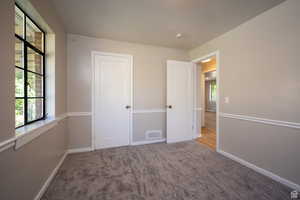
(169, 106)
(128, 107)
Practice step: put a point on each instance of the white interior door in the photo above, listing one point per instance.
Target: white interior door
(179, 101)
(112, 100)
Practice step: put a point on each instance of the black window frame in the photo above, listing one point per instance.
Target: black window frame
(28, 45)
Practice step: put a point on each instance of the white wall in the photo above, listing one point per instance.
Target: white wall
(149, 83)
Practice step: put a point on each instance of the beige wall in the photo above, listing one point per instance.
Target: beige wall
(24, 171)
(143, 122)
(258, 59)
(7, 41)
(48, 13)
(259, 72)
(149, 80)
(79, 132)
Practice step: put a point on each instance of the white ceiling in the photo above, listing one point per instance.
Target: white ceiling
(157, 22)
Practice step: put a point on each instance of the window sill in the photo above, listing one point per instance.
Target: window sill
(29, 132)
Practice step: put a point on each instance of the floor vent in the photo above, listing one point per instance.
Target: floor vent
(153, 135)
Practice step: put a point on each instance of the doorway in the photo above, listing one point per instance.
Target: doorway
(207, 98)
(112, 100)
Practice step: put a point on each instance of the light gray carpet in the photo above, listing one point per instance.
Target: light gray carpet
(159, 172)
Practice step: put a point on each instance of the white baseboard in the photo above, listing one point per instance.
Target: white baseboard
(49, 179)
(228, 155)
(52, 175)
(148, 142)
(80, 150)
(78, 114)
(170, 141)
(261, 171)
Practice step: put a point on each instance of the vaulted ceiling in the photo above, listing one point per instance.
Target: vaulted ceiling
(157, 22)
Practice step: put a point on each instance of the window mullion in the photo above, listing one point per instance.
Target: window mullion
(25, 74)
(44, 77)
(25, 85)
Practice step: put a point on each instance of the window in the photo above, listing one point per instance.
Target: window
(213, 91)
(29, 70)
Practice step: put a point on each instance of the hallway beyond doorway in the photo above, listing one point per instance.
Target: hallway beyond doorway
(208, 138)
(208, 133)
(210, 120)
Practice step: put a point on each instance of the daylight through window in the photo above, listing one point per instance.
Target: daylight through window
(29, 70)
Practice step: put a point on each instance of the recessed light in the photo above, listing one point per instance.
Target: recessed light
(206, 60)
(178, 35)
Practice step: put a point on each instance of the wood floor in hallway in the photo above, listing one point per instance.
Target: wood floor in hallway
(208, 138)
(210, 120)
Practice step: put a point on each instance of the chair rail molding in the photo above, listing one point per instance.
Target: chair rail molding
(7, 144)
(197, 109)
(77, 114)
(261, 120)
(156, 110)
(27, 133)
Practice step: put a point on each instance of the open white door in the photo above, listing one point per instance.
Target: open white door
(179, 101)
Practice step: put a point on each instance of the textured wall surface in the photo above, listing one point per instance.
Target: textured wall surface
(25, 170)
(7, 88)
(259, 72)
(149, 79)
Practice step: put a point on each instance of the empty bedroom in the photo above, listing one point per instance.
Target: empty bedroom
(149, 100)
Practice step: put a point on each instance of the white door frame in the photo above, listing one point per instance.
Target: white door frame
(130, 57)
(197, 60)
